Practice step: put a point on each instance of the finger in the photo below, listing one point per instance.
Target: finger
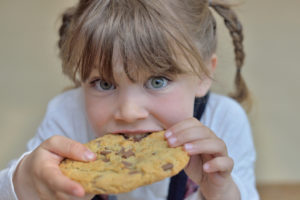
(182, 125)
(43, 192)
(193, 171)
(219, 164)
(59, 183)
(66, 147)
(189, 135)
(86, 197)
(62, 196)
(207, 157)
(213, 146)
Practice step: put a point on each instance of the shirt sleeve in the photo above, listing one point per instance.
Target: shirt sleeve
(7, 189)
(229, 121)
(241, 149)
(243, 153)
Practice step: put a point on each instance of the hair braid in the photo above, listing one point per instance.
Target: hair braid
(236, 31)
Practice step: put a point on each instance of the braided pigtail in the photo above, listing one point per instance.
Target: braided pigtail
(236, 31)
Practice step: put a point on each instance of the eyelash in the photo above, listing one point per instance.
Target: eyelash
(93, 82)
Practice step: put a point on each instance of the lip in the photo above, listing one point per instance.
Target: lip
(133, 132)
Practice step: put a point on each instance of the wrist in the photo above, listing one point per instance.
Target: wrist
(22, 185)
(228, 191)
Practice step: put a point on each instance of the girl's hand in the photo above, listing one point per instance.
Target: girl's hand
(38, 175)
(210, 166)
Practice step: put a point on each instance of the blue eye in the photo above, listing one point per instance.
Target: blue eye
(103, 85)
(157, 82)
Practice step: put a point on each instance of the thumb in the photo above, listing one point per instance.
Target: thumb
(68, 148)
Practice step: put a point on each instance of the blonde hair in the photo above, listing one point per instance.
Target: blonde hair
(149, 36)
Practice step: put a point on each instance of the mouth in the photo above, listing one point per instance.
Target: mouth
(136, 137)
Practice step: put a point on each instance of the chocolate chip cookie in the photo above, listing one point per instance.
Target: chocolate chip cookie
(124, 163)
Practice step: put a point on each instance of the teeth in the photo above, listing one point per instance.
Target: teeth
(135, 137)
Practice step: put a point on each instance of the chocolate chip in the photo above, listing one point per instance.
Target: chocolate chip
(134, 172)
(127, 164)
(105, 160)
(167, 166)
(138, 138)
(128, 153)
(105, 152)
(125, 154)
(95, 179)
(121, 152)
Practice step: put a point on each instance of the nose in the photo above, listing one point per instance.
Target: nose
(131, 109)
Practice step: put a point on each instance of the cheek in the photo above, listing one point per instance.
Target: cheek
(174, 108)
(97, 114)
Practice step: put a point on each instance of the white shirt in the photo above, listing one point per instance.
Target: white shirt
(66, 116)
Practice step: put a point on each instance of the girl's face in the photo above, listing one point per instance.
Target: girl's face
(152, 103)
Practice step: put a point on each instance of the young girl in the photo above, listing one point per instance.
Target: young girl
(141, 66)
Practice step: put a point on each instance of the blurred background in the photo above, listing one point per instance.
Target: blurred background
(30, 75)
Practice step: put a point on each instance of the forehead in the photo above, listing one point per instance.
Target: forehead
(118, 72)
(136, 68)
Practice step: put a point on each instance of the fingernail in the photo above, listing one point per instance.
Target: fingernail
(168, 134)
(172, 140)
(206, 167)
(188, 147)
(88, 155)
(77, 193)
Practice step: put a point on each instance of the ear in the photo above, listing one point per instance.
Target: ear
(205, 83)
(212, 65)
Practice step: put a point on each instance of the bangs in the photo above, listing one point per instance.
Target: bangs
(145, 41)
